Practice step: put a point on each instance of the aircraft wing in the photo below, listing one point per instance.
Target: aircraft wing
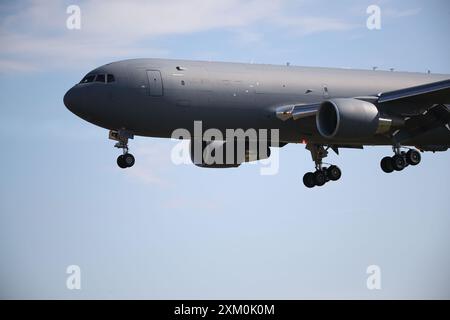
(407, 102)
(432, 93)
(423, 107)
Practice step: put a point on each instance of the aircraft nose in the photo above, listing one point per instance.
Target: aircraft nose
(69, 100)
(72, 100)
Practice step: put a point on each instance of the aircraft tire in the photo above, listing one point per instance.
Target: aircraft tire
(413, 157)
(386, 164)
(309, 180)
(128, 159)
(320, 178)
(334, 173)
(398, 162)
(121, 162)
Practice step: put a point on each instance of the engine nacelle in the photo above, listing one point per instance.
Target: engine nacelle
(350, 118)
(222, 154)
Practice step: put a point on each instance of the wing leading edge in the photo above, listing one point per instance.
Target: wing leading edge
(419, 96)
(431, 93)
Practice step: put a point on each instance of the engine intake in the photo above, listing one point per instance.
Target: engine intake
(350, 118)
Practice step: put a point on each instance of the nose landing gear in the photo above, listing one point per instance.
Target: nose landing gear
(322, 174)
(400, 160)
(125, 160)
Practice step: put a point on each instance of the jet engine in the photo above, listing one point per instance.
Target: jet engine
(351, 118)
(222, 154)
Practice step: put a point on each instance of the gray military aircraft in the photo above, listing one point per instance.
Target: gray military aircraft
(322, 107)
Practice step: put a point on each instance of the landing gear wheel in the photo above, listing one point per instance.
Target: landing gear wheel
(334, 173)
(128, 159)
(386, 164)
(309, 180)
(398, 162)
(121, 162)
(320, 178)
(322, 175)
(413, 157)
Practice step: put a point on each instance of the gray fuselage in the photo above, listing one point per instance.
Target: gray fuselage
(153, 97)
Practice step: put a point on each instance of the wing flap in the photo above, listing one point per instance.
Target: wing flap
(436, 116)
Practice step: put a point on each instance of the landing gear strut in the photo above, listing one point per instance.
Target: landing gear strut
(322, 174)
(125, 160)
(400, 160)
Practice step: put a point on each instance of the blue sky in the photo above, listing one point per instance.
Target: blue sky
(165, 231)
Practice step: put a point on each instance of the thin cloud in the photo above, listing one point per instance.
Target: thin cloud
(142, 18)
(152, 163)
(401, 13)
(310, 25)
(34, 36)
(247, 37)
(15, 65)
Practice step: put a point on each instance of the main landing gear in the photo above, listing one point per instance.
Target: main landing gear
(400, 160)
(125, 160)
(322, 174)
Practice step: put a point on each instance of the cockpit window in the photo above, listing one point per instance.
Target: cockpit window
(88, 78)
(100, 78)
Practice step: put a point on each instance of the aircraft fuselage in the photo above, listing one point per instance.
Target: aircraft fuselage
(153, 97)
